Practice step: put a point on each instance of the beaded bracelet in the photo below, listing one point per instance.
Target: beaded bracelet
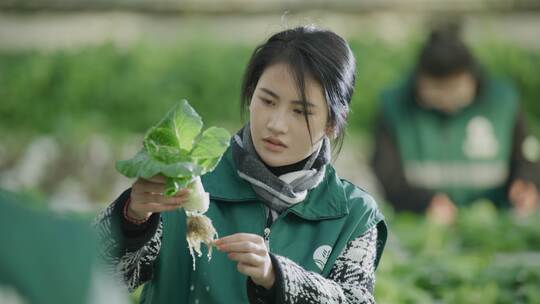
(132, 219)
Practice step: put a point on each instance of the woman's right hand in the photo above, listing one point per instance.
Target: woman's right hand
(147, 198)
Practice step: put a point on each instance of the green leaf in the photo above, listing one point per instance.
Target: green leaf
(161, 136)
(162, 144)
(172, 138)
(208, 164)
(178, 170)
(142, 165)
(209, 148)
(185, 124)
(134, 166)
(174, 185)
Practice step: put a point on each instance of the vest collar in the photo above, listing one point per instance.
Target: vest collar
(326, 201)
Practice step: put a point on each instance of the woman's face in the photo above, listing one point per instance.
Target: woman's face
(448, 94)
(278, 126)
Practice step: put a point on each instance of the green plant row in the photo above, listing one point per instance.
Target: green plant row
(113, 90)
(486, 257)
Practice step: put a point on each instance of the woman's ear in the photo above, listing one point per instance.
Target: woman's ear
(330, 132)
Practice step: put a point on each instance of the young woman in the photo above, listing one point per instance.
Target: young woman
(293, 231)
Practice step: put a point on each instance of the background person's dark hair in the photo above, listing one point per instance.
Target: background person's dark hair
(445, 53)
(323, 55)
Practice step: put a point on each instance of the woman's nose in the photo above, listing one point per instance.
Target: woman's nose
(277, 122)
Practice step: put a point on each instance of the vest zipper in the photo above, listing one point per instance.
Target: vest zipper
(267, 230)
(268, 225)
(267, 237)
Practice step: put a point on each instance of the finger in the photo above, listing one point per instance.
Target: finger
(145, 198)
(155, 207)
(249, 270)
(239, 237)
(243, 247)
(146, 186)
(160, 179)
(246, 258)
(183, 192)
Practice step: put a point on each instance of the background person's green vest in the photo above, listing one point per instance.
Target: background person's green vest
(465, 155)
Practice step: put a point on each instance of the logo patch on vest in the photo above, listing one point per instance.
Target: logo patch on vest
(480, 140)
(321, 255)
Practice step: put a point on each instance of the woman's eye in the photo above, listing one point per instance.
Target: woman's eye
(301, 112)
(266, 101)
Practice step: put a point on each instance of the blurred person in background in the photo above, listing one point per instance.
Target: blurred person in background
(451, 134)
(49, 259)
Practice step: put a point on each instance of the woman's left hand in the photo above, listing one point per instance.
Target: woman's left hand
(250, 251)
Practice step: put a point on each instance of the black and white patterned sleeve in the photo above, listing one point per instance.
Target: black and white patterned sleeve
(351, 280)
(130, 257)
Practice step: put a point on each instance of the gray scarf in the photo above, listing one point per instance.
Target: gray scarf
(278, 193)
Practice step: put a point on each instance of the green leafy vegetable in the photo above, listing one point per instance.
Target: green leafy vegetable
(176, 149)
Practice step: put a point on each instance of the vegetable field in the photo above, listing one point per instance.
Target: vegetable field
(487, 257)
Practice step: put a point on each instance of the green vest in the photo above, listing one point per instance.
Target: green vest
(312, 233)
(44, 258)
(466, 155)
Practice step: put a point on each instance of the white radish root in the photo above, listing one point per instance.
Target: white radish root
(199, 230)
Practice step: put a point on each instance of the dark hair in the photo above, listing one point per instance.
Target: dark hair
(445, 53)
(321, 54)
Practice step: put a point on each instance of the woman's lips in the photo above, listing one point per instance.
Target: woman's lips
(274, 145)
